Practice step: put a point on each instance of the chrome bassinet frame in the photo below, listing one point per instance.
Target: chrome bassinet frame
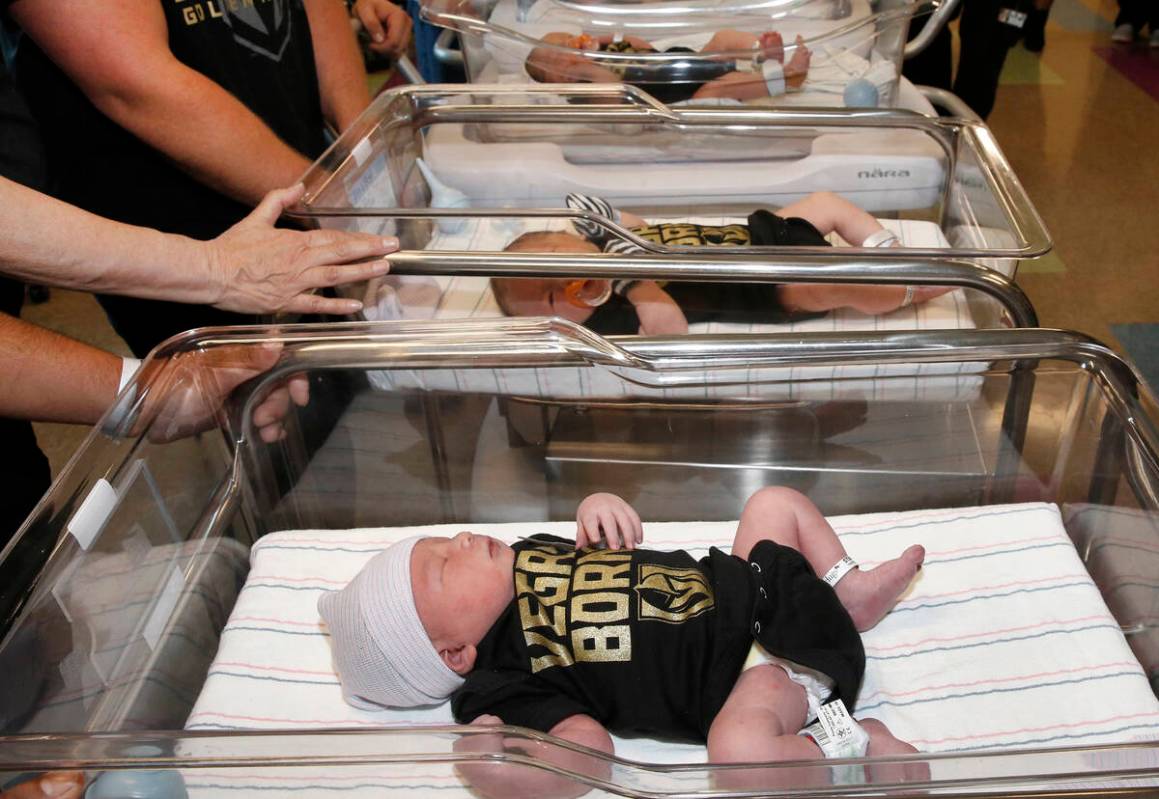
(1112, 437)
(491, 36)
(374, 163)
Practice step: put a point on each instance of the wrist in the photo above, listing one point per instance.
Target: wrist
(204, 260)
(635, 291)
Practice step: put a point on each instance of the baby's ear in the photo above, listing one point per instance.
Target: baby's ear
(460, 659)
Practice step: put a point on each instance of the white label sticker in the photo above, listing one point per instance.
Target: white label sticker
(163, 607)
(362, 151)
(92, 514)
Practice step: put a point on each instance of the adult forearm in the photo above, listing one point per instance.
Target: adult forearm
(341, 74)
(46, 241)
(205, 130)
(48, 377)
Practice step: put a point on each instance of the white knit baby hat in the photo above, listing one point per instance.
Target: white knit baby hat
(382, 653)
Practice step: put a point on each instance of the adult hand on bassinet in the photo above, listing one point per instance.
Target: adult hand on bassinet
(608, 517)
(257, 268)
(187, 393)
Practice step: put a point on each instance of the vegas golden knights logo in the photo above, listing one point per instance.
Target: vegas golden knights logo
(672, 595)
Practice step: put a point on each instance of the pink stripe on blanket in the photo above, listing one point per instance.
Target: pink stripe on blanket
(864, 699)
(286, 669)
(1024, 730)
(290, 622)
(977, 589)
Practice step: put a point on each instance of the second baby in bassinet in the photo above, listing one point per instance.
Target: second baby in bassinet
(644, 306)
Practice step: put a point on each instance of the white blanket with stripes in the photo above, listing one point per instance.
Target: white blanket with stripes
(1002, 641)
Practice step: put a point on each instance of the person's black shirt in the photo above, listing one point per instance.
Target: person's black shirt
(260, 52)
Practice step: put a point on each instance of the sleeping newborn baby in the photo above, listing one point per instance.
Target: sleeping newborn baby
(644, 306)
(756, 653)
(764, 73)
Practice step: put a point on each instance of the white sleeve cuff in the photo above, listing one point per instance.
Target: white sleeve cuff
(129, 367)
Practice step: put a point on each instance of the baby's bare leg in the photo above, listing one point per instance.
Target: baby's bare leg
(790, 519)
(760, 720)
(730, 41)
(830, 212)
(870, 299)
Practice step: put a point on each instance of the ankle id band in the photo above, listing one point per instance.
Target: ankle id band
(836, 733)
(839, 570)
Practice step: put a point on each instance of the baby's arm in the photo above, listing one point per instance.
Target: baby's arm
(659, 314)
(613, 517)
(512, 780)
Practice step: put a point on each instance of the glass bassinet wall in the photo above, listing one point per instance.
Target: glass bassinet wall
(457, 157)
(117, 590)
(848, 53)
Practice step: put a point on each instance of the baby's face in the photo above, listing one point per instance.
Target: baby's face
(461, 585)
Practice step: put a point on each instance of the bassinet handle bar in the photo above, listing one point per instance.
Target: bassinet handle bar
(732, 268)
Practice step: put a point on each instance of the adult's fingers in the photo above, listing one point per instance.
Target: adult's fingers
(328, 247)
(275, 202)
(398, 32)
(368, 16)
(272, 409)
(332, 274)
(299, 386)
(315, 304)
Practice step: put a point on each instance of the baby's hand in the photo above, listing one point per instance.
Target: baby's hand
(618, 521)
(487, 720)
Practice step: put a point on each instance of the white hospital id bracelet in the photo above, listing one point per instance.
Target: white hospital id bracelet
(881, 238)
(836, 732)
(774, 75)
(839, 570)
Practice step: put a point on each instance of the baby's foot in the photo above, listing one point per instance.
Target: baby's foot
(883, 743)
(869, 595)
(798, 67)
(772, 46)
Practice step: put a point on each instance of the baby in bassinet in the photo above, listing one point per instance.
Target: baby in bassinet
(762, 75)
(644, 306)
(741, 651)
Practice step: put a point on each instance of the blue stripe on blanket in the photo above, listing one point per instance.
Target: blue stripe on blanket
(916, 652)
(988, 691)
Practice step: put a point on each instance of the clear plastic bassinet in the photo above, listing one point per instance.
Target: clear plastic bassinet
(124, 596)
(840, 53)
(458, 174)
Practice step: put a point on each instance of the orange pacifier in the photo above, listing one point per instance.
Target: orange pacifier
(587, 293)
